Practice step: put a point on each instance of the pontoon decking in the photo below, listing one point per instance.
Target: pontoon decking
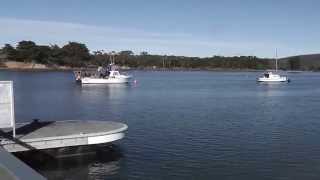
(55, 134)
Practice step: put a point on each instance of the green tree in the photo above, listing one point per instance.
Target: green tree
(55, 56)
(41, 54)
(99, 58)
(25, 51)
(124, 57)
(76, 54)
(144, 53)
(10, 52)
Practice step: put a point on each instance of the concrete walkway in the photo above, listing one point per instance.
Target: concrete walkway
(11, 168)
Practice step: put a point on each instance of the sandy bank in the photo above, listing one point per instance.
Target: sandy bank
(31, 66)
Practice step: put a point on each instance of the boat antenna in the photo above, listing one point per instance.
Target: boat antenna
(112, 54)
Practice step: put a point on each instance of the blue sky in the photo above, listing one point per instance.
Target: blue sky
(185, 27)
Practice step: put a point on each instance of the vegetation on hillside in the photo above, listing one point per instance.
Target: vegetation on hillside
(309, 62)
(76, 54)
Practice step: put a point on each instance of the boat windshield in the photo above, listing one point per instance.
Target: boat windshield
(115, 73)
(112, 67)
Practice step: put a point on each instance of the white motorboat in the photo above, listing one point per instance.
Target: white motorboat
(107, 75)
(273, 76)
(111, 77)
(114, 78)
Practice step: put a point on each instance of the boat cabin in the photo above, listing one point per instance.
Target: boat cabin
(114, 73)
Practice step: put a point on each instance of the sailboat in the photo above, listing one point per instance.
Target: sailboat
(270, 76)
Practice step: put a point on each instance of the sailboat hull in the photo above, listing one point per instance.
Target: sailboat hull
(280, 79)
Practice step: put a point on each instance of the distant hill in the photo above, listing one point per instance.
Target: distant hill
(301, 62)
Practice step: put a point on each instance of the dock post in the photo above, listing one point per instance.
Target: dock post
(12, 112)
(7, 119)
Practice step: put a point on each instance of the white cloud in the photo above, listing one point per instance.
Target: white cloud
(110, 38)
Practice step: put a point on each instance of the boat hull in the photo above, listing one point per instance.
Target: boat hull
(120, 80)
(282, 79)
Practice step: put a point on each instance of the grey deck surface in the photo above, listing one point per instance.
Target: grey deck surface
(55, 134)
(58, 129)
(11, 168)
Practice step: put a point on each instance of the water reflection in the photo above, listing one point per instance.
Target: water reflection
(85, 162)
(272, 84)
(272, 88)
(109, 90)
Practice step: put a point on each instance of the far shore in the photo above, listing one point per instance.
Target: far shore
(21, 66)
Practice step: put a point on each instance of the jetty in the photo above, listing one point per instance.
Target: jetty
(57, 134)
(38, 135)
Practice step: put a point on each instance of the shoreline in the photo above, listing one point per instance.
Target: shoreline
(21, 66)
(146, 69)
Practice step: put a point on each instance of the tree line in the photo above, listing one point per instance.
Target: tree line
(72, 54)
(75, 54)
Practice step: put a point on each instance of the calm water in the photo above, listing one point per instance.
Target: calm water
(184, 125)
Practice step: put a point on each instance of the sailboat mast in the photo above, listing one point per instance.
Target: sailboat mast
(276, 60)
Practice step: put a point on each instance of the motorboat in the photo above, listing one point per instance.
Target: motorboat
(103, 75)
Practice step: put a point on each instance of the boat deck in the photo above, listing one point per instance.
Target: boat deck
(54, 134)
